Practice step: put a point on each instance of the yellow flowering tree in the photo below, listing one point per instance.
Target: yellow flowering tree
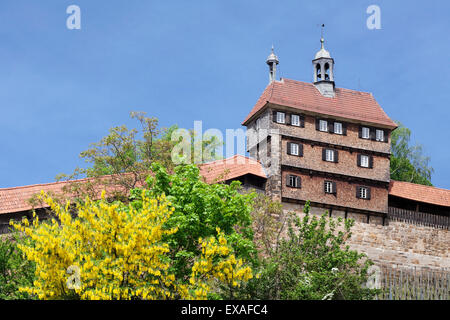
(105, 250)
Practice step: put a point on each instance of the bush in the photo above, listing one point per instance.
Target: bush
(313, 263)
(117, 251)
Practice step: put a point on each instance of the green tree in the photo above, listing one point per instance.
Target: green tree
(200, 208)
(313, 263)
(408, 163)
(15, 270)
(123, 158)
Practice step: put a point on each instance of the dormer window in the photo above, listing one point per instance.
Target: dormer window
(323, 125)
(365, 133)
(281, 117)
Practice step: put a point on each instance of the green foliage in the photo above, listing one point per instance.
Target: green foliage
(200, 208)
(15, 270)
(313, 263)
(408, 162)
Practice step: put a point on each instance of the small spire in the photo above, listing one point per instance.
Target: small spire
(272, 61)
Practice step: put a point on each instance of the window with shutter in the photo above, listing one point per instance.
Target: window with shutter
(294, 149)
(364, 162)
(329, 155)
(293, 181)
(323, 125)
(338, 128)
(329, 187)
(295, 120)
(363, 193)
(379, 135)
(281, 117)
(365, 133)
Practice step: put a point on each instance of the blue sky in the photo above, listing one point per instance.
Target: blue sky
(182, 61)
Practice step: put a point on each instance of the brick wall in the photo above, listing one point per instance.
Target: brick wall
(312, 189)
(346, 165)
(397, 243)
(350, 140)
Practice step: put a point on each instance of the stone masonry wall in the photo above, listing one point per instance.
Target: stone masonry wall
(395, 244)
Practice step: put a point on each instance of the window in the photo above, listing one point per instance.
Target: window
(293, 181)
(365, 133)
(294, 149)
(295, 120)
(280, 117)
(330, 187)
(380, 135)
(363, 193)
(338, 128)
(258, 124)
(364, 161)
(329, 155)
(323, 125)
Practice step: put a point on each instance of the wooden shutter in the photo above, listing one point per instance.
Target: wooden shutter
(287, 118)
(371, 162)
(333, 184)
(358, 192)
(368, 193)
(302, 121)
(318, 124)
(359, 160)
(300, 150)
(288, 179)
(289, 148)
(344, 128)
(336, 156)
(360, 131)
(385, 136)
(324, 154)
(274, 116)
(299, 182)
(372, 134)
(325, 186)
(330, 125)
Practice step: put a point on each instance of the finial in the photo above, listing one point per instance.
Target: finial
(322, 40)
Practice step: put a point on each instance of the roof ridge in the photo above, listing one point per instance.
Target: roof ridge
(420, 185)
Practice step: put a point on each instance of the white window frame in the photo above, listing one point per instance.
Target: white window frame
(323, 125)
(294, 149)
(329, 155)
(379, 135)
(338, 125)
(363, 131)
(295, 122)
(363, 192)
(329, 187)
(365, 161)
(281, 117)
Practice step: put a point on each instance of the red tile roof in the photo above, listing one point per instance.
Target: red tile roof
(420, 193)
(347, 104)
(231, 168)
(16, 199)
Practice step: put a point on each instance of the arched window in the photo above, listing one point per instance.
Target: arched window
(327, 71)
(318, 72)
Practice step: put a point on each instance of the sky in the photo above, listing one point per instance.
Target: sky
(180, 61)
